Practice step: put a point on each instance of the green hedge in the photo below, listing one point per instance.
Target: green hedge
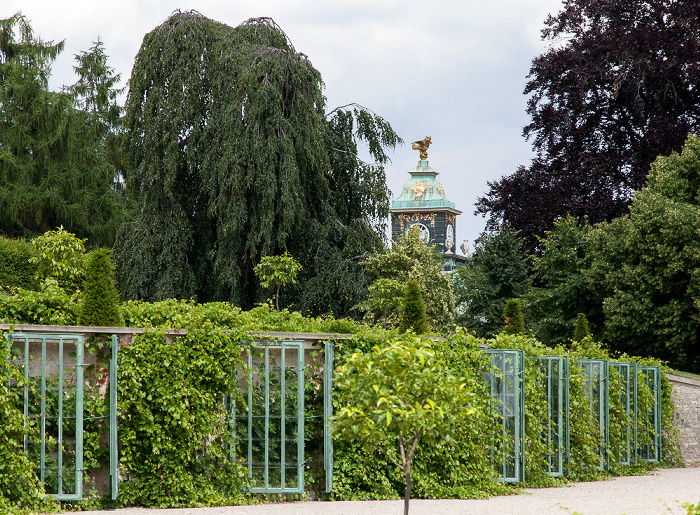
(16, 270)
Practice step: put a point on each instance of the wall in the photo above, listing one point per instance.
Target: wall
(686, 398)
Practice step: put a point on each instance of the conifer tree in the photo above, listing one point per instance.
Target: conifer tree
(100, 306)
(513, 317)
(581, 329)
(53, 167)
(413, 310)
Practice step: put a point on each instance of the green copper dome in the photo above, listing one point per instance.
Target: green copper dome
(422, 190)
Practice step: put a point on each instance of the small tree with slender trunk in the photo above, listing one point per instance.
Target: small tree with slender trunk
(277, 271)
(397, 396)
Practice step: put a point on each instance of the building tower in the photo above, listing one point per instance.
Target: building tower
(423, 204)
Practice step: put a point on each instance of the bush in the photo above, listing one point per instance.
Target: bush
(413, 310)
(16, 270)
(100, 305)
(513, 317)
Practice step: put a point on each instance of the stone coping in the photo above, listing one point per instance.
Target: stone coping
(683, 380)
(73, 329)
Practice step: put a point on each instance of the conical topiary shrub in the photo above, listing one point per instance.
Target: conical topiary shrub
(513, 317)
(581, 328)
(100, 305)
(413, 310)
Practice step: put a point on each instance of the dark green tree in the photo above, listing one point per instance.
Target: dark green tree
(514, 323)
(581, 329)
(563, 284)
(100, 304)
(413, 310)
(232, 157)
(647, 265)
(53, 172)
(497, 271)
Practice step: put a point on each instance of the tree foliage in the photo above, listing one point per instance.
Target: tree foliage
(412, 258)
(402, 393)
(53, 168)
(60, 255)
(646, 265)
(232, 157)
(616, 88)
(581, 329)
(497, 271)
(383, 300)
(100, 304)
(277, 271)
(563, 286)
(16, 268)
(514, 323)
(413, 310)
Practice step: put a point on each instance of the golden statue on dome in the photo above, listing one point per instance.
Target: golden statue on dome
(422, 145)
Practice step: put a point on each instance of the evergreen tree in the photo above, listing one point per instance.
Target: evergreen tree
(513, 317)
(100, 304)
(232, 157)
(497, 271)
(581, 329)
(413, 310)
(53, 172)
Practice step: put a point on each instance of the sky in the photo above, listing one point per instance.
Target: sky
(454, 70)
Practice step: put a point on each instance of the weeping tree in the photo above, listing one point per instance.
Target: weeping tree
(233, 156)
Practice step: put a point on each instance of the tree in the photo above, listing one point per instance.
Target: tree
(616, 88)
(100, 304)
(646, 265)
(497, 271)
(232, 156)
(563, 284)
(581, 329)
(513, 317)
(384, 299)
(277, 271)
(397, 396)
(413, 310)
(60, 255)
(52, 171)
(413, 258)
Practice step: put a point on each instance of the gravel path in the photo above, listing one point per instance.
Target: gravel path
(660, 493)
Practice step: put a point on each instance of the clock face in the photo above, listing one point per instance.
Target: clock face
(424, 231)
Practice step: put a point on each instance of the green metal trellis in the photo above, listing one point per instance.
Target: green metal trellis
(651, 451)
(329, 355)
(269, 428)
(596, 371)
(506, 386)
(628, 399)
(556, 379)
(52, 401)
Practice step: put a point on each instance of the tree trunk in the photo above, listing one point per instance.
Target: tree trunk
(407, 496)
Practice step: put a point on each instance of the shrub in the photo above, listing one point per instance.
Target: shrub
(513, 317)
(413, 310)
(16, 269)
(100, 305)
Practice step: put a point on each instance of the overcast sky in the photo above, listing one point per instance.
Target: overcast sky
(454, 69)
